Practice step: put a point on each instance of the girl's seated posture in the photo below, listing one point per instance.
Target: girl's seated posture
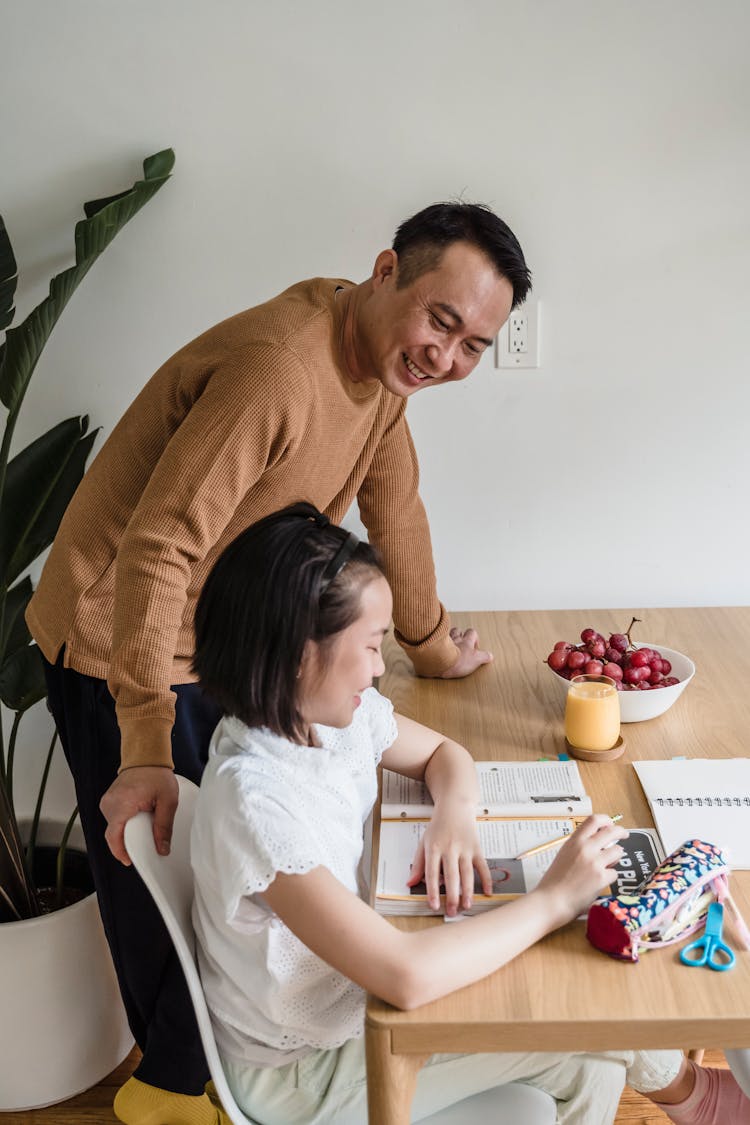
(289, 630)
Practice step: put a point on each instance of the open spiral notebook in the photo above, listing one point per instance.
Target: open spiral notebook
(701, 798)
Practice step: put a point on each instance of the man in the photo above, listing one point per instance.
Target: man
(300, 398)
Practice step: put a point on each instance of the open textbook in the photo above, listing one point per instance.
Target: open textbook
(701, 798)
(503, 837)
(505, 789)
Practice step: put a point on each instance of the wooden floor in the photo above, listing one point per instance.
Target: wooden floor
(95, 1106)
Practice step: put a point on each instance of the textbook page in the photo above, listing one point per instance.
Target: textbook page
(505, 788)
(701, 799)
(501, 842)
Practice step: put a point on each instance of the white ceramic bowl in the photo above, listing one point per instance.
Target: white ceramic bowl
(635, 706)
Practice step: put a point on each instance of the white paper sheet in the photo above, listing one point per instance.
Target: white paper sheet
(701, 798)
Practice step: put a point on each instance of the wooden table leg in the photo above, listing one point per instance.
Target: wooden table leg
(391, 1079)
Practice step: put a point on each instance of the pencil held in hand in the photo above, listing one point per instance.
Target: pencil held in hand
(556, 842)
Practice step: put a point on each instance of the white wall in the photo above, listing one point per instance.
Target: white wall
(614, 139)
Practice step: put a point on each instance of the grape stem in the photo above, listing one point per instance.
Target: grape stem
(634, 621)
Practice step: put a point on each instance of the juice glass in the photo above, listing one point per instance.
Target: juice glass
(592, 713)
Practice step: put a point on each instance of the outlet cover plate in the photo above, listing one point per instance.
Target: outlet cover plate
(504, 357)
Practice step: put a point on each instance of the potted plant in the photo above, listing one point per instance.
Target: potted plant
(53, 955)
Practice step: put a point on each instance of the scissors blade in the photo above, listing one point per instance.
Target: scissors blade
(714, 922)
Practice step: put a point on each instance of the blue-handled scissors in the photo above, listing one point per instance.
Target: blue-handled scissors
(711, 950)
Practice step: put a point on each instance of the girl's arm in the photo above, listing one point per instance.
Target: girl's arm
(450, 844)
(411, 968)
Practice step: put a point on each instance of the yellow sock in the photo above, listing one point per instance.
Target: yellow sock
(212, 1095)
(137, 1103)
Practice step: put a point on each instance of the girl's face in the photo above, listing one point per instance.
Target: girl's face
(333, 678)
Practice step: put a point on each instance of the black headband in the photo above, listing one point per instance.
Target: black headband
(339, 561)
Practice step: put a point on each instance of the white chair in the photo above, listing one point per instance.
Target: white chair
(170, 882)
(739, 1064)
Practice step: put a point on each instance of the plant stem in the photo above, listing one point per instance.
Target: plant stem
(61, 858)
(31, 845)
(11, 905)
(21, 887)
(2, 754)
(11, 754)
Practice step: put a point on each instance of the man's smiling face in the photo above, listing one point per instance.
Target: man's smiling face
(435, 329)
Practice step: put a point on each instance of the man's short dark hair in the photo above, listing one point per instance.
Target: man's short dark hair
(268, 593)
(421, 240)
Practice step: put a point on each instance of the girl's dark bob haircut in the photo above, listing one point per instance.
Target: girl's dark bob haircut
(290, 578)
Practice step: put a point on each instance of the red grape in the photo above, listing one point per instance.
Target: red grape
(632, 669)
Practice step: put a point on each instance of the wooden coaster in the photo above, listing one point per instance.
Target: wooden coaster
(597, 755)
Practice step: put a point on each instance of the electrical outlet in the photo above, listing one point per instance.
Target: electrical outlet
(518, 332)
(517, 342)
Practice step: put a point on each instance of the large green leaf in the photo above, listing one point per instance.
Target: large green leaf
(40, 483)
(22, 682)
(8, 277)
(25, 342)
(15, 633)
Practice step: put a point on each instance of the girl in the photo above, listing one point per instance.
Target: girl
(289, 630)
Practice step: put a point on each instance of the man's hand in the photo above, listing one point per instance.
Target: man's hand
(140, 789)
(470, 656)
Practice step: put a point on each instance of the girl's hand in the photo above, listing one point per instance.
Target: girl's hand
(448, 854)
(582, 868)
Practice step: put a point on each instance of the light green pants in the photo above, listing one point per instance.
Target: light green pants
(330, 1088)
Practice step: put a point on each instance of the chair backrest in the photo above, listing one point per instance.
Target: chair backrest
(170, 882)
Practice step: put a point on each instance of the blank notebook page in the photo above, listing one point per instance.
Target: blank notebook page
(701, 798)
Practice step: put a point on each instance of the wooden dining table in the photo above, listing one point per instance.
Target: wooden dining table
(563, 994)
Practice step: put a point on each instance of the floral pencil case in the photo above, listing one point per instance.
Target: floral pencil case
(669, 906)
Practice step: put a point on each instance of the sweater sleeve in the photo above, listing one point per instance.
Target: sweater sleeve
(238, 427)
(394, 515)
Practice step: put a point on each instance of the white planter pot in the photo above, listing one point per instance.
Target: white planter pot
(63, 1025)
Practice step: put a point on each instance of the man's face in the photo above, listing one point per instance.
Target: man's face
(435, 330)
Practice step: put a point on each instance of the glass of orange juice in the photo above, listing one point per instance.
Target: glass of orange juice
(592, 713)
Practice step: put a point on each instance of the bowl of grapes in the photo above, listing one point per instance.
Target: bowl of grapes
(650, 678)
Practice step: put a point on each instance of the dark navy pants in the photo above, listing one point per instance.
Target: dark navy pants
(152, 984)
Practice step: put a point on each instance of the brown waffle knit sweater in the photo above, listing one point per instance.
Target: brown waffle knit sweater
(255, 414)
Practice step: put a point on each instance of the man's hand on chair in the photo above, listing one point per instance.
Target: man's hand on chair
(140, 789)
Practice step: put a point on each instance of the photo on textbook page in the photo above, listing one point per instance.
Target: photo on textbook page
(507, 878)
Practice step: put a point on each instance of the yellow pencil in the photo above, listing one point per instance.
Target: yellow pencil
(557, 840)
